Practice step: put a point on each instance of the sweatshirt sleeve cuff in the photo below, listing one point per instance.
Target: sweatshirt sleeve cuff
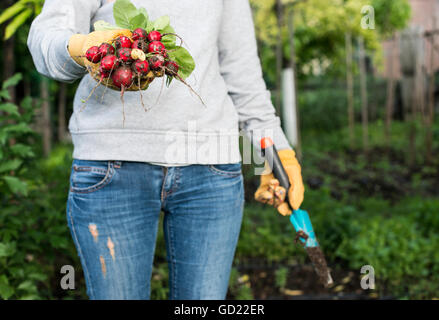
(69, 68)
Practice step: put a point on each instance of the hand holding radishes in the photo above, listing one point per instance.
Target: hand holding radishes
(129, 59)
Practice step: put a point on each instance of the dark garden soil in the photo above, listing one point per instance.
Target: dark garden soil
(380, 172)
(303, 284)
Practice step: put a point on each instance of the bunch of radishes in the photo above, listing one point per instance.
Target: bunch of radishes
(140, 50)
(129, 60)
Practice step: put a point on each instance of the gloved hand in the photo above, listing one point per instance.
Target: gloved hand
(270, 192)
(80, 43)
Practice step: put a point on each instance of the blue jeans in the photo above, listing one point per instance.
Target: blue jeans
(113, 214)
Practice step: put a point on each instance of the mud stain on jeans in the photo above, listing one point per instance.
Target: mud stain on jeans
(94, 231)
(110, 246)
(103, 266)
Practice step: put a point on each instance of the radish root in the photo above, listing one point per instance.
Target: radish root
(160, 93)
(123, 104)
(176, 75)
(90, 95)
(141, 95)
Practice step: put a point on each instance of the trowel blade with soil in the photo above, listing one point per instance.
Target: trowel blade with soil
(305, 233)
(299, 218)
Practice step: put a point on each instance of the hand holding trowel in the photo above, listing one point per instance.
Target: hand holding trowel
(299, 218)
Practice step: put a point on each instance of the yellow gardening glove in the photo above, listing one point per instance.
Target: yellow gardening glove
(80, 43)
(271, 193)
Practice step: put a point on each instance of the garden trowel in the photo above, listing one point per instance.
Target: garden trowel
(299, 218)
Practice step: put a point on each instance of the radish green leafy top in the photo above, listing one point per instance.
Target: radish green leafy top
(127, 16)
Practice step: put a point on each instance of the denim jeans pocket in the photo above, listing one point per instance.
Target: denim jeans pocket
(90, 176)
(230, 170)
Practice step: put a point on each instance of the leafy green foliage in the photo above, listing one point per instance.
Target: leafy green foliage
(390, 15)
(18, 14)
(162, 23)
(102, 25)
(320, 27)
(34, 238)
(169, 40)
(124, 11)
(266, 234)
(17, 22)
(184, 60)
(397, 248)
(281, 277)
(12, 81)
(128, 16)
(18, 278)
(138, 21)
(11, 161)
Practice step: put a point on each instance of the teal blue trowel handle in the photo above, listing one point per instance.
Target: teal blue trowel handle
(299, 218)
(301, 222)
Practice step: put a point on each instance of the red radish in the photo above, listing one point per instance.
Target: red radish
(123, 42)
(156, 47)
(139, 33)
(141, 67)
(123, 77)
(105, 49)
(140, 44)
(92, 54)
(103, 72)
(156, 62)
(124, 55)
(154, 36)
(171, 68)
(109, 63)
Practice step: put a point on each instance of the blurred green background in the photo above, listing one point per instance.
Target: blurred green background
(372, 195)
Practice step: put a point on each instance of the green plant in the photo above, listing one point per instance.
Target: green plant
(239, 286)
(19, 276)
(19, 12)
(34, 239)
(402, 249)
(159, 281)
(281, 277)
(267, 235)
(13, 152)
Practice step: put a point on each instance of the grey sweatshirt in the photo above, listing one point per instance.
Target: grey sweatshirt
(177, 129)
